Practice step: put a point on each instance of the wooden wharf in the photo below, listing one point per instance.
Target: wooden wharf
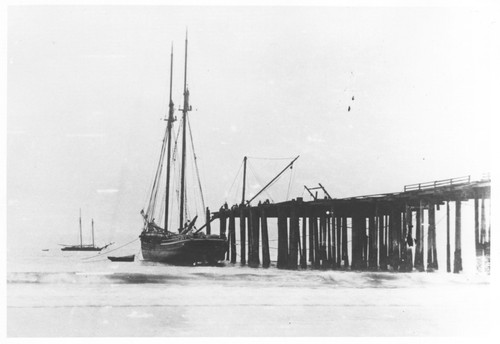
(393, 231)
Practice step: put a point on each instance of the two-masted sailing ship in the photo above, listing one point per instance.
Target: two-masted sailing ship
(183, 245)
(83, 247)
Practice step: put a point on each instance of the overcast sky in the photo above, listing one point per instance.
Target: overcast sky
(88, 86)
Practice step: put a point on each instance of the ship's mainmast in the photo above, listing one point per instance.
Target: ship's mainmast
(185, 110)
(170, 122)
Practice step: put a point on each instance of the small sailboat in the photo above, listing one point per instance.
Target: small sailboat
(184, 245)
(82, 247)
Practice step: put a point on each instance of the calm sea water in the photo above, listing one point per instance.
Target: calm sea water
(59, 293)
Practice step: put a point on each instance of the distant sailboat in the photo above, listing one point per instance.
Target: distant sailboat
(82, 247)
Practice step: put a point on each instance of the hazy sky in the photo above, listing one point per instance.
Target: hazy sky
(87, 87)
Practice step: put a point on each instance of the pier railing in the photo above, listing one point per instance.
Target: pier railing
(438, 183)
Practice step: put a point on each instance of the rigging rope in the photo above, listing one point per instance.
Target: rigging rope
(152, 200)
(234, 180)
(260, 158)
(292, 174)
(196, 164)
(255, 175)
(99, 255)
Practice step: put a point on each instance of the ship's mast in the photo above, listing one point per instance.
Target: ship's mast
(184, 114)
(170, 122)
(81, 243)
(93, 233)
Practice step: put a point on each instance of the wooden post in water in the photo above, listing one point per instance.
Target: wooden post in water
(311, 239)
(364, 236)
(409, 239)
(355, 243)
(303, 257)
(382, 241)
(396, 237)
(242, 235)
(322, 227)
(419, 236)
(339, 241)
(345, 252)
(222, 221)
(372, 232)
(255, 237)
(266, 259)
(448, 249)
(250, 236)
(282, 239)
(328, 240)
(391, 240)
(207, 219)
(294, 236)
(476, 227)
(457, 266)
(317, 252)
(333, 260)
(482, 238)
(232, 236)
(431, 239)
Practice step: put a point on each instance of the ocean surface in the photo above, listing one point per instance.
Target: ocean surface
(54, 294)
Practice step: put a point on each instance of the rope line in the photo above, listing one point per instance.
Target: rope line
(99, 255)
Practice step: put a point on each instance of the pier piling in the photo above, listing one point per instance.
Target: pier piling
(457, 266)
(242, 235)
(282, 239)
(303, 257)
(232, 237)
(294, 237)
(266, 259)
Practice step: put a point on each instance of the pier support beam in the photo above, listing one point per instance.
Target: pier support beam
(254, 216)
(408, 237)
(339, 241)
(479, 250)
(282, 239)
(303, 257)
(448, 248)
(482, 238)
(242, 235)
(395, 238)
(294, 238)
(419, 239)
(322, 229)
(232, 237)
(345, 252)
(329, 241)
(457, 266)
(333, 258)
(266, 259)
(317, 252)
(357, 242)
(372, 232)
(207, 221)
(382, 243)
(432, 263)
(311, 240)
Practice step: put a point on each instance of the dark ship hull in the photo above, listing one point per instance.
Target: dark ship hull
(183, 249)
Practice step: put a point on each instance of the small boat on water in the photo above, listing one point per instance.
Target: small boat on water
(82, 247)
(122, 258)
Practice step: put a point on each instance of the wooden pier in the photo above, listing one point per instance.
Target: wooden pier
(393, 231)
